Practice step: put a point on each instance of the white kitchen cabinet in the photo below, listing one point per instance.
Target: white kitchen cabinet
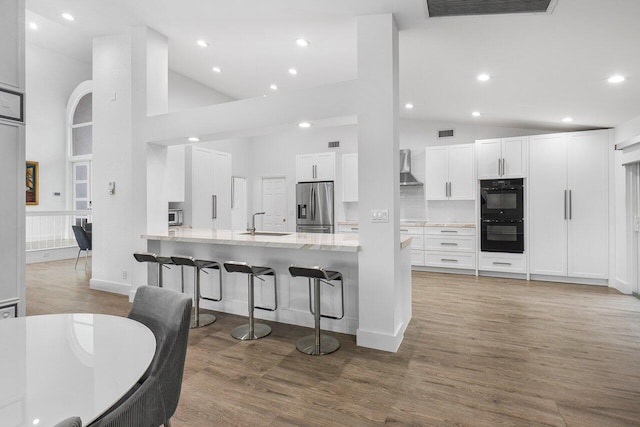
(316, 167)
(417, 243)
(568, 189)
(503, 262)
(350, 177)
(502, 158)
(174, 173)
(210, 189)
(348, 228)
(450, 172)
(450, 247)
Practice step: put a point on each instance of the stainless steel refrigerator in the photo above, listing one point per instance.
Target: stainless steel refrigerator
(314, 202)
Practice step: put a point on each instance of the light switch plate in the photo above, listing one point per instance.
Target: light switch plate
(380, 215)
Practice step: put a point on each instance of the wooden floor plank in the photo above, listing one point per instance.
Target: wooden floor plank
(478, 352)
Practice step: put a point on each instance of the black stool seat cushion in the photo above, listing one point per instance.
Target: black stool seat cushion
(314, 272)
(202, 263)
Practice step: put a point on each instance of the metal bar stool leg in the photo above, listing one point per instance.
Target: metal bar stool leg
(198, 319)
(252, 330)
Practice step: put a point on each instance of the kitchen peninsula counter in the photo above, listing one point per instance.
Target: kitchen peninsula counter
(338, 252)
(292, 240)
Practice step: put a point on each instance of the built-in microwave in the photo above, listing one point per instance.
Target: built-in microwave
(175, 216)
(502, 199)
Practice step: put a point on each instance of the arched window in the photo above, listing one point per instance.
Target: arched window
(80, 147)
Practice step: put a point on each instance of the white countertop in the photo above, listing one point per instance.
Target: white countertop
(57, 366)
(416, 223)
(309, 241)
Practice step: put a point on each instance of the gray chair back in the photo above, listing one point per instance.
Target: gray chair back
(84, 242)
(70, 422)
(154, 401)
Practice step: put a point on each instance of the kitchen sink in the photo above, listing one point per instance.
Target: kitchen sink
(266, 233)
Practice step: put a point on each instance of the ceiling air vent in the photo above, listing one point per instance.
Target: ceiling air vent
(334, 144)
(445, 133)
(438, 8)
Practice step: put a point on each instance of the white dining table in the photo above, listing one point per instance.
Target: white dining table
(56, 366)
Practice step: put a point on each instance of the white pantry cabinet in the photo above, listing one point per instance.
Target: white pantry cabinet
(450, 172)
(210, 189)
(502, 158)
(350, 177)
(316, 167)
(569, 205)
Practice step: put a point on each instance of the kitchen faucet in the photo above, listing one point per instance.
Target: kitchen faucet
(252, 229)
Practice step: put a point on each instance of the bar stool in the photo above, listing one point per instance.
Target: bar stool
(252, 330)
(198, 319)
(318, 344)
(162, 262)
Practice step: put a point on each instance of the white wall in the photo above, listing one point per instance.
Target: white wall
(50, 80)
(185, 93)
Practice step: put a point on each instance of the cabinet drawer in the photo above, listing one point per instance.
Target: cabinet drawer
(417, 257)
(450, 260)
(451, 231)
(412, 230)
(511, 263)
(348, 229)
(450, 243)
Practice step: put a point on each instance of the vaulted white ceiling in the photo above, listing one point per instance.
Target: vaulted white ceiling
(544, 66)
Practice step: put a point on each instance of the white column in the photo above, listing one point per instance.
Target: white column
(381, 323)
(12, 159)
(130, 76)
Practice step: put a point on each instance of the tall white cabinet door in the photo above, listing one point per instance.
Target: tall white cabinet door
(222, 190)
(514, 159)
(325, 166)
(461, 177)
(489, 155)
(13, 172)
(547, 185)
(202, 189)
(436, 173)
(588, 181)
(350, 177)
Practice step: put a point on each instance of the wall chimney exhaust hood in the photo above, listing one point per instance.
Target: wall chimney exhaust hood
(406, 178)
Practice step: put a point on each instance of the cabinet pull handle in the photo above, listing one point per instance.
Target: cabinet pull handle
(232, 191)
(448, 244)
(354, 228)
(501, 263)
(565, 204)
(404, 229)
(448, 231)
(448, 260)
(214, 206)
(499, 167)
(570, 206)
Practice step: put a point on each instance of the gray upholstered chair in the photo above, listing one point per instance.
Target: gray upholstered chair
(70, 422)
(155, 399)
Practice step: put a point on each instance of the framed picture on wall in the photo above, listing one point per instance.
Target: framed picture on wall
(11, 106)
(32, 183)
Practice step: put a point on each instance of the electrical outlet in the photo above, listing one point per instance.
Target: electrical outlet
(124, 274)
(380, 215)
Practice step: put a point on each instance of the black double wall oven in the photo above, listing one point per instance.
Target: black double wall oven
(502, 215)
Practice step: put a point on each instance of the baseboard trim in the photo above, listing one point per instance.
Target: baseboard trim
(113, 287)
(443, 270)
(622, 286)
(46, 255)
(381, 341)
(572, 280)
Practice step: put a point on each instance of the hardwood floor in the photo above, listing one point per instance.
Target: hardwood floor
(478, 352)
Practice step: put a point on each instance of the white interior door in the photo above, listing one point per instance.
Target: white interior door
(274, 204)
(238, 203)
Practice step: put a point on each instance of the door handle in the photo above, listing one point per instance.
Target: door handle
(213, 206)
(565, 204)
(501, 263)
(448, 244)
(448, 260)
(570, 206)
(449, 189)
(499, 167)
(503, 168)
(232, 195)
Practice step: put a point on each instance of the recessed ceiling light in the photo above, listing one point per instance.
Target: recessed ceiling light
(408, 106)
(293, 71)
(273, 87)
(304, 125)
(194, 139)
(616, 79)
(202, 43)
(476, 114)
(567, 120)
(217, 69)
(68, 16)
(33, 25)
(302, 42)
(484, 77)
